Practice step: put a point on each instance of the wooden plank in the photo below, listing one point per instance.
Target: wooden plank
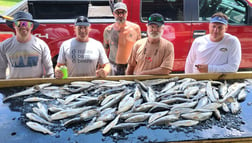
(230, 140)
(207, 76)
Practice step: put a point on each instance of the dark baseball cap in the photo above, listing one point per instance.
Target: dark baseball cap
(120, 5)
(81, 21)
(156, 18)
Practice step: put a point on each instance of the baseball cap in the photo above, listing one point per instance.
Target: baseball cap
(156, 18)
(120, 5)
(219, 20)
(81, 21)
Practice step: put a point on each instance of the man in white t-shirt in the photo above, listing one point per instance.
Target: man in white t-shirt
(26, 56)
(217, 51)
(82, 54)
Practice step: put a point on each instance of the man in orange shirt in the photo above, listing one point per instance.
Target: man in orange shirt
(154, 54)
(119, 39)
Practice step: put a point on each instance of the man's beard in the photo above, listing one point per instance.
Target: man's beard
(155, 36)
(120, 20)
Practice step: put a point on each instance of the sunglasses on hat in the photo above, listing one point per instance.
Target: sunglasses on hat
(155, 19)
(23, 24)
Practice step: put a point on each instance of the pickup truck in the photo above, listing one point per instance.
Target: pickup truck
(185, 20)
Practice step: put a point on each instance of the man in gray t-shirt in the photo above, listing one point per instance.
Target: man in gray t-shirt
(26, 55)
(82, 54)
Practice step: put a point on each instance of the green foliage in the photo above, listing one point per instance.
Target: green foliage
(8, 2)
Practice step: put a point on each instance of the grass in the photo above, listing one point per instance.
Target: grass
(6, 4)
(9, 3)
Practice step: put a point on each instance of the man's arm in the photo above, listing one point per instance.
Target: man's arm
(48, 62)
(190, 59)
(3, 64)
(130, 70)
(104, 70)
(106, 41)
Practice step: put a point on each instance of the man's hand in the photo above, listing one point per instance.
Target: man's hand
(101, 73)
(202, 68)
(58, 73)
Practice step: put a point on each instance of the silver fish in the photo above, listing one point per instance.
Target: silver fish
(82, 83)
(242, 95)
(138, 118)
(125, 104)
(194, 83)
(123, 126)
(137, 93)
(110, 97)
(168, 86)
(159, 107)
(55, 93)
(89, 114)
(199, 116)
(164, 120)
(28, 91)
(146, 106)
(217, 114)
(202, 102)
(142, 85)
(127, 115)
(211, 106)
(111, 125)
(209, 91)
(72, 121)
(35, 99)
(185, 123)
(77, 88)
(43, 111)
(157, 115)
(191, 91)
(54, 109)
(225, 107)
(107, 114)
(151, 96)
(181, 110)
(184, 82)
(81, 102)
(37, 127)
(235, 107)
(92, 126)
(37, 118)
(152, 82)
(100, 81)
(68, 113)
(201, 93)
(72, 97)
(114, 100)
(223, 88)
(184, 105)
(112, 84)
(42, 86)
(216, 94)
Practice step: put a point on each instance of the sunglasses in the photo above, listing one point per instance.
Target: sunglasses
(23, 24)
(155, 18)
(120, 12)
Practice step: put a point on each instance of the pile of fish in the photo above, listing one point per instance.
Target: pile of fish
(121, 105)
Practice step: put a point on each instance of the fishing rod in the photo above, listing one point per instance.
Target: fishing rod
(6, 17)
